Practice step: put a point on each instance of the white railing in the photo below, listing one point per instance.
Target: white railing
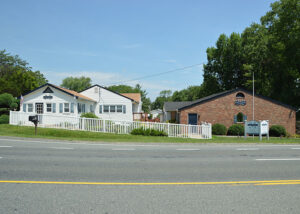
(111, 126)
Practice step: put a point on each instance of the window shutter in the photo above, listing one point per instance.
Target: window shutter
(124, 109)
(54, 108)
(60, 108)
(24, 107)
(235, 119)
(72, 107)
(100, 109)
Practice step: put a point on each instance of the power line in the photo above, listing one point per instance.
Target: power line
(157, 74)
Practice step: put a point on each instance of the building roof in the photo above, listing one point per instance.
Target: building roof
(134, 96)
(156, 111)
(174, 106)
(107, 90)
(67, 91)
(76, 94)
(224, 93)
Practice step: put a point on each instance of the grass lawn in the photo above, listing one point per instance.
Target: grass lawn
(23, 131)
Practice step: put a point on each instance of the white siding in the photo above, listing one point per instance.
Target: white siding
(106, 97)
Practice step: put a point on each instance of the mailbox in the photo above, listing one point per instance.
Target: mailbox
(34, 119)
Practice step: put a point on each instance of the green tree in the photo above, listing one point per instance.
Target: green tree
(164, 96)
(137, 89)
(283, 25)
(76, 83)
(7, 102)
(189, 94)
(225, 63)
(16, 77)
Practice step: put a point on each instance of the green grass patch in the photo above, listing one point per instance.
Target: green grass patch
(24, 131)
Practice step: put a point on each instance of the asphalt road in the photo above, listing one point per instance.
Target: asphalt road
(147, 178)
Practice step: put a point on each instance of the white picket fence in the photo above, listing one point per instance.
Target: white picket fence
(111, 126)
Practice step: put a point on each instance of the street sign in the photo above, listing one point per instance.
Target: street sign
(257, 128)
(252, 127)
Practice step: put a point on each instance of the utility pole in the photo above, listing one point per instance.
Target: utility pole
(253, 94)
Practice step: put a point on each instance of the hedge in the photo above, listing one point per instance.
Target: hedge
(219, 129)
(4, 119)
(236, 129)
(277, 131)
(88, 115)
(148, 132)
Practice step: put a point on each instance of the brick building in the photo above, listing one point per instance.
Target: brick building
(234, 106)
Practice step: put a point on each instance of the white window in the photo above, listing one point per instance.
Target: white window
(49, 107)
(106, 109)
(66, 107)
(112, 109)
(91, 108)
(119, 109)
(30, 107)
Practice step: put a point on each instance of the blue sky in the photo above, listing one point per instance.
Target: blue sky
(112, 41)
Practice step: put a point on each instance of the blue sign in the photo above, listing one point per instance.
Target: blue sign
(47, 97)
(240, 102)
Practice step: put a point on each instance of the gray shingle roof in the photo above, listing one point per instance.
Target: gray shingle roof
(224, 93)
(173, 106)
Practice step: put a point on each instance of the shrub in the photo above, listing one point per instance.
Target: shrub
(148, 132)
(219, 129)
(88, 115)
(236, 129)
(4, 119)
(277, 131)
(139, 131)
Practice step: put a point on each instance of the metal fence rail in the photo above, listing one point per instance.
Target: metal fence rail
(202, 131)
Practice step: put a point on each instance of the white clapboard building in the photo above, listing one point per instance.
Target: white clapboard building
(54, 100)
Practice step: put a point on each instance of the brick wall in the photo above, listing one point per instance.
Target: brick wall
(222, 110)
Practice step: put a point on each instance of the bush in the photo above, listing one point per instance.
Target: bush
(219, 129)
(148, 132)
(4, 119)
(236, 129)
(88, 115)
(277, 131)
